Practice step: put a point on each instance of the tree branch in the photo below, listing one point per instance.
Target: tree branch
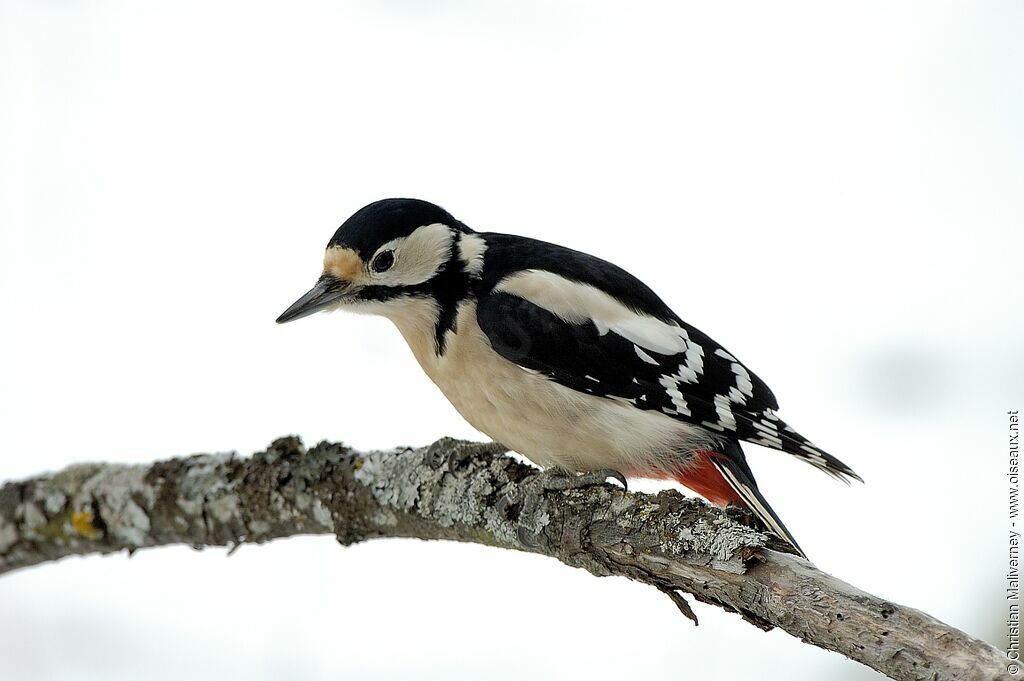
(470, 492)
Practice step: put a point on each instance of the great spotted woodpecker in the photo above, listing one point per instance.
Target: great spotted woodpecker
(561, 356)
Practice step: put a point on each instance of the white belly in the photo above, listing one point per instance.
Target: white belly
(546, 422)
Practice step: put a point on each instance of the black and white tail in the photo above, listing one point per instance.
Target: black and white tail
(732, 464)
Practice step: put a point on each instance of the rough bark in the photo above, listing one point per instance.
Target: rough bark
(470, 492)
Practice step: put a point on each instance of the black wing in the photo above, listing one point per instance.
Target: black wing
(703, 385)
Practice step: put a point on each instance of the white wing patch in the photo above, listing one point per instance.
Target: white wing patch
(579, 303)
(644, 356)
(738, 410)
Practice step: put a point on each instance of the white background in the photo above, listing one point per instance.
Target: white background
(830, 190)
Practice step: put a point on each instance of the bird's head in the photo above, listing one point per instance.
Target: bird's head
(388, 253)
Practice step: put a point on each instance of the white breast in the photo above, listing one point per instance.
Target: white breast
(546, 422)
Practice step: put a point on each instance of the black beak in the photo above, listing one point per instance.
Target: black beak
(328, 290)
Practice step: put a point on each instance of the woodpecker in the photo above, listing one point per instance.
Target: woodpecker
(563, 357)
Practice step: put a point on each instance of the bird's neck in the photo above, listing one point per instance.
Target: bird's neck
(426, 317)
(417, 319)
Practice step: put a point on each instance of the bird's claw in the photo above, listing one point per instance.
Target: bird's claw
(527, 537)
(558, 480)
(453, 452)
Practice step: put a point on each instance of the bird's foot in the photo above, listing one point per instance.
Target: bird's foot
(556, 479)
(455, 452)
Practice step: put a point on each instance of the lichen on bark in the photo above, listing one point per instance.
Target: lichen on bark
(474, 493)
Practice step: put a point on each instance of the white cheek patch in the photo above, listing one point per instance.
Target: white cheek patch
(418, 257)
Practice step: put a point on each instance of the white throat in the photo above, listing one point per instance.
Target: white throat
(416, 318)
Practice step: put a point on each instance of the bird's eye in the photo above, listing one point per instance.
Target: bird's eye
(383, 261)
